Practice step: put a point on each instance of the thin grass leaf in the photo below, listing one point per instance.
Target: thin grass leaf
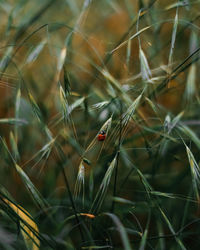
(17, 103)
(6, 57)
(145, 70)
(152, 105)
(195, 171)
(39, 116)
(186, 208)
(149, 189)
(100, 196)
(132, 37)
(35, 194)
(161, 243)
(71, 217)
(131, 110)
(177, 119)
(157, 132)
(191, 134)
(128, 53)
(35, 107)
(172, 124)
(99, 105)
(122, 231)
(194, 42)
(124, 119)
(43, 153)
(61, 59)
(48, 133)
(111, 79)
(35, 53)
(126, 116)
(67, 84)
(64, 102)
(166, 195)
(173, 39)
(14, 146)
(13, 121)
(123, 201)
(31, 239)
(60, 63)
(147, 186)
(144, 239)
(74, 105)
(17, 109)
(190, 89)
(178, 4)
(114, 84)
(66, 108)
(37, 197)
(83, 15)
(167, 123)
(173, 196)
(80, 182)
(180, 243)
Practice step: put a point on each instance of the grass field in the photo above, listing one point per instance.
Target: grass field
(99, 124)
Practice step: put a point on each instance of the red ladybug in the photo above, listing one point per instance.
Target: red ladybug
(102, 135)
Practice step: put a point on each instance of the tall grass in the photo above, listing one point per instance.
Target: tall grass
(70, 69)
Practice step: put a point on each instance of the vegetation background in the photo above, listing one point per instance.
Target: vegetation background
(72, 68)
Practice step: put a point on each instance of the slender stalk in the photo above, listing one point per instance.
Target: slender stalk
(78, 220)
(117, 160)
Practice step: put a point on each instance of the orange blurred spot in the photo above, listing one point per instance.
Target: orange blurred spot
(91, 216)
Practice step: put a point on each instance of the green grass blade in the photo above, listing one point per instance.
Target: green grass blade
(122, 231)
(100, 196)
(195, 171)
(174, 31)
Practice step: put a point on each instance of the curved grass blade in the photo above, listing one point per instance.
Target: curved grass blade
(190, 133)
(132, 37)
(100, 196)
(35, 53)
(195, 171)
(124, 120)
(43, 153)
(173, 40)
(14, 147)
(37, 197)
(145, 69)
(29, 229)
(80, 182)
(122, 231)
(17, 108)
(35, 108)
(35, 194)
(144, 236)
(39, 115)
(149, 189)
(99, 105)
(60, 63)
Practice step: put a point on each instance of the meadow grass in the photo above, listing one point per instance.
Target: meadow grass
(70, 69)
